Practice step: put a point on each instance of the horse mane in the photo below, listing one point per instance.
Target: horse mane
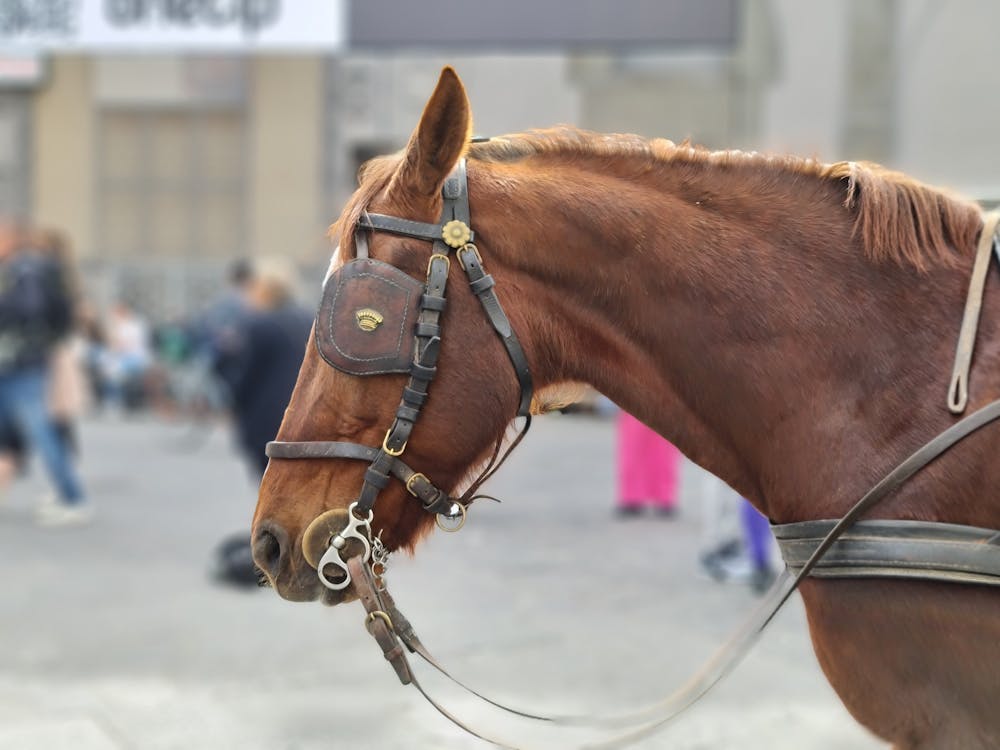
(898, 218)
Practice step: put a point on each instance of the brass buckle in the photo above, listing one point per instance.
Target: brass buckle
(387, 449)
(378, 614)
(474, 249)
(442, 256)
(411, 480)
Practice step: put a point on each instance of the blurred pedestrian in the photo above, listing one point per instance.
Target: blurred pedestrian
(93, 342)
(67, 394)
(648, 469)
(129, 356)
(721, 535)
(34, 314)
(13, 455)
(218, 337)
(736, 538)
(757, 539)
(262, 375)
(222, 325)
(260, 379)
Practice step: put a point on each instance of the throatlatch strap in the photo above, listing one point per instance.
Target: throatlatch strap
(482, 286)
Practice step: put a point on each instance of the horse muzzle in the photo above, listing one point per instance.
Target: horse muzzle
(294, 572)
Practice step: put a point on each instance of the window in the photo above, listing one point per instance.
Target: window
(171, 184)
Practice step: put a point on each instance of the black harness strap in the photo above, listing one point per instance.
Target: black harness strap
(945, 552)
(482, 285)
(418, 230)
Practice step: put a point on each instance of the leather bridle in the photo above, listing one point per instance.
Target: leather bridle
(451, 234)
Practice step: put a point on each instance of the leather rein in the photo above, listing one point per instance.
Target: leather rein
(804, 545)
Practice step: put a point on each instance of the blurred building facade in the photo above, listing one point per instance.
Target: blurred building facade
(162, 168)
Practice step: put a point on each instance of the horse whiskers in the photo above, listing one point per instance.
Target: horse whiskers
(262, 580)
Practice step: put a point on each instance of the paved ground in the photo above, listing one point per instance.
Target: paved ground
(114, 637)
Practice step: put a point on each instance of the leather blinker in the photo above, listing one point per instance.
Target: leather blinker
(366, 320)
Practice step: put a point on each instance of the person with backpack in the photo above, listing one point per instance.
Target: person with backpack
(35, 313)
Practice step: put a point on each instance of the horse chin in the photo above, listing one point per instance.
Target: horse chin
(306, 587)
(331, 598)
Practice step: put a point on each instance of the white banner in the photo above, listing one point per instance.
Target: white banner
(171, 25)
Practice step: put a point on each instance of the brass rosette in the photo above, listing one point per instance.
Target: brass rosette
(456, 233)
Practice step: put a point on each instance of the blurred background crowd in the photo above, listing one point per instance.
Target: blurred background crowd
(158, 159)
(168, 172)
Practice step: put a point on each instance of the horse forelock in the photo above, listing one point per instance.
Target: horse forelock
(374, 177)
(896, 217)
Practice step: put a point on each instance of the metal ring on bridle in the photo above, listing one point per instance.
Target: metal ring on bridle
(357, 528)
(459, 514)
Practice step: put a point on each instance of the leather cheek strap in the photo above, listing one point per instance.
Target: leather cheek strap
(482, 285)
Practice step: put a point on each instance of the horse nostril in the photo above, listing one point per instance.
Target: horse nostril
(267, 552)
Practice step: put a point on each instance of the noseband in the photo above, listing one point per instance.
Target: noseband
(375, 319)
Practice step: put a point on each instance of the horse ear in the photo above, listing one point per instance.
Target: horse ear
(440, 139)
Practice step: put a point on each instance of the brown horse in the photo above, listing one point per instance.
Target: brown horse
(789, 325)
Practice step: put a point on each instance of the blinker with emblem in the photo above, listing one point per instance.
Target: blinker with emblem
(368, 319)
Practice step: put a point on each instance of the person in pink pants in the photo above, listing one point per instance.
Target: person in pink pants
(648, 469)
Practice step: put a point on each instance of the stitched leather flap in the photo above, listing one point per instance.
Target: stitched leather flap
(366, 320)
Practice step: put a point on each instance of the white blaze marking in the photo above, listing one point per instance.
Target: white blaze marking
(335, 262)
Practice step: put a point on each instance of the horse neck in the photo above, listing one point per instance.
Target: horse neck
(744, 324)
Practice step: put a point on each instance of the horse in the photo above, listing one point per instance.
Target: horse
(787, 323)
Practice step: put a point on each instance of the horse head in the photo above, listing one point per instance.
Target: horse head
(363, 355)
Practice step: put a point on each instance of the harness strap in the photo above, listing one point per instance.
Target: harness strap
(378, 623)
(329, 449)
(428, 346)
(482, 286)
(433, 499)
(360, 243)
(418, 230)
(958, 390)
(896, 549)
